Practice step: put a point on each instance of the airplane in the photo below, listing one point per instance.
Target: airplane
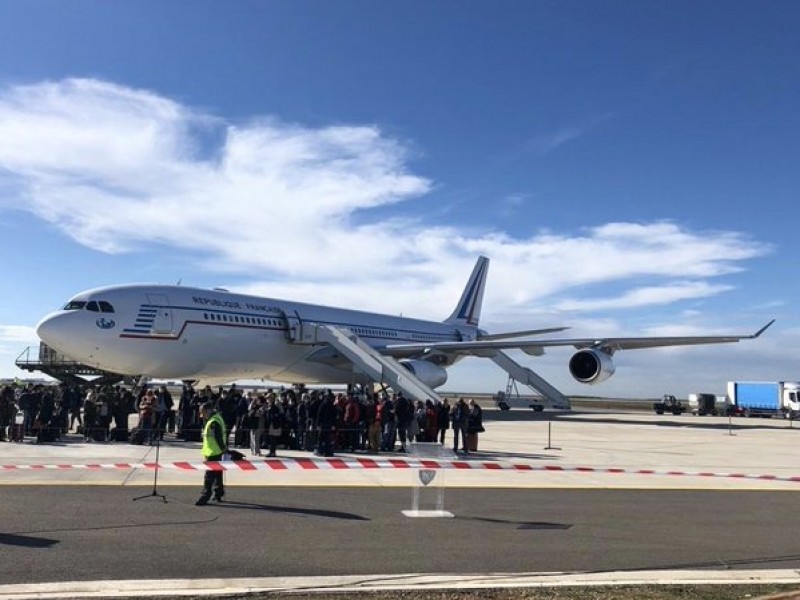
(214, 336)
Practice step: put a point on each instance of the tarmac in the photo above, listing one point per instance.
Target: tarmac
(586, 449)
(560, 466)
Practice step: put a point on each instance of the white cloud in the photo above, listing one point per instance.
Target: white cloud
(18, 333)
(646, 296)
(119, 169)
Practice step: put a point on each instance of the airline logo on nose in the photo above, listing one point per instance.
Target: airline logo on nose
(103, 323)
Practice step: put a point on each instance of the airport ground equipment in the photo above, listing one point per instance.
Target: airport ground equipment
(517, 373)
(708, 404)
(670, 404)
(504, 399)
(765, 398)
(44, 359)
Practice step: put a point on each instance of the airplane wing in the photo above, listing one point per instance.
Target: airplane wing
(517, 334)
(487, 347)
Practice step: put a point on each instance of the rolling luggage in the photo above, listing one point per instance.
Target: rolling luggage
(47, 435)
(18, 428)
(137, 436)
(118, 434)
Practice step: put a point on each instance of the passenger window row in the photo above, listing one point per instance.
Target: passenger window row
(241, 319)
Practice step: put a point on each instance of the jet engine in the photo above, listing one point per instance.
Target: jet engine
(428, 373)
(591, 366)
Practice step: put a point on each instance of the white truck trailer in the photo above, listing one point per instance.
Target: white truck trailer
(765, 398)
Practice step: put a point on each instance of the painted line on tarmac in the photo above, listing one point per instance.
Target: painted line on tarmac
(389, 582)
(344, 464)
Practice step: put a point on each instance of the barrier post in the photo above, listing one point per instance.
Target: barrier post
(549, 432)
(428, 484)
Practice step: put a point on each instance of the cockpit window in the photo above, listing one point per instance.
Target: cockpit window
(75, 305)
(93, 305)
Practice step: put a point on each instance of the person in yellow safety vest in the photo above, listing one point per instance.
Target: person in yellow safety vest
(214, 446)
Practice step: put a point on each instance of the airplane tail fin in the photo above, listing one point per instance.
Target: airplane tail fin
(468, 309)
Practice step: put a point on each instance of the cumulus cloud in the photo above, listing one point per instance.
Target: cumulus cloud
(118, 168)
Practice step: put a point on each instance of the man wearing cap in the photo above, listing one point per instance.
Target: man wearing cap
(214, 446)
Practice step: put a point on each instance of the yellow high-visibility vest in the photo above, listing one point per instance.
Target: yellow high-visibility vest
(210, 445)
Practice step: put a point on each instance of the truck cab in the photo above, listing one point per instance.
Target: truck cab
(791, 400)
(706, 404)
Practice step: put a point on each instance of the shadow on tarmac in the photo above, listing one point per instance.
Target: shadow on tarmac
(314, 512)
(523, 524)
(26, 541)
(688, 422)
(499, 455)
(647, 418)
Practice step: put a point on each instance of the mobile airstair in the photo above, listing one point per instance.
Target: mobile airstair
(367, 359)
(524, 375)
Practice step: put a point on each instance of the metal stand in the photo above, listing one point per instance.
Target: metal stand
(154, 493)
(549, 446)
(428, 482)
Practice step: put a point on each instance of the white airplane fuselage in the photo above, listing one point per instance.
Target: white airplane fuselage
(175, 332)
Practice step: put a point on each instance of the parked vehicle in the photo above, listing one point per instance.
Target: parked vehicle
(765, 398)
(669, 403)
(709, 404)
(504, 401)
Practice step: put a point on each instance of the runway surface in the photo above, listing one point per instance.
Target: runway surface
(88, 533)
(65, 525)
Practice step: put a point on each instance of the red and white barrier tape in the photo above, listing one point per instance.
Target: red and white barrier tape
(319, 464)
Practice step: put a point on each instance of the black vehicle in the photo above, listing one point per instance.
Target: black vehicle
(706, 404)
(669, 403)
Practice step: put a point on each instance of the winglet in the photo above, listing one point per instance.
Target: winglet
(468, 309)
(762, 330)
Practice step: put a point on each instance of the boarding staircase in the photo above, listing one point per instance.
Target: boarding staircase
(367, 359)
(524, 375)
(46, 360)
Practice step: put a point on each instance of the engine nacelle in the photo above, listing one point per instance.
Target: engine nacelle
(591, 366)
(428, 373)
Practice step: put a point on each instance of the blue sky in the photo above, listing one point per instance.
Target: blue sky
(629, 167)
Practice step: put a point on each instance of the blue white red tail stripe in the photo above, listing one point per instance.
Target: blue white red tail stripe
(468, 309)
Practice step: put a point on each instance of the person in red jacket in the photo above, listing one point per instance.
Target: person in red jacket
(431, 423)
(352, 420)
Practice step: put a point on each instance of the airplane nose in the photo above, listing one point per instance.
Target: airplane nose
(53, 331)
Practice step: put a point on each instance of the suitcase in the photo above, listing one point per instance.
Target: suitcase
(18, 428)
(47, 435)
(119, 434)
(241, 437)
(137, 436)
(99, 434)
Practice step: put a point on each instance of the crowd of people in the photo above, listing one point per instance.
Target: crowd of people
(47, 412)
(320, 421)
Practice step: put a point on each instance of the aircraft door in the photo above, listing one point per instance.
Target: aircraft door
(163, 316)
